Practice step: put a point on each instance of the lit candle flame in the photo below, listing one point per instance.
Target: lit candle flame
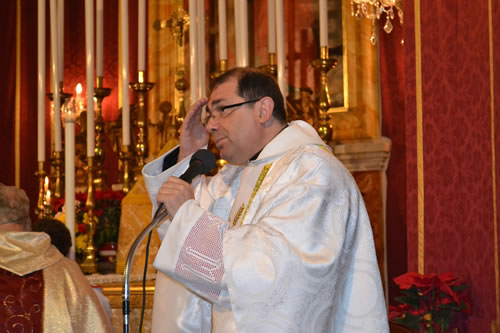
(78, 90)
(46, 185)
(47, 198)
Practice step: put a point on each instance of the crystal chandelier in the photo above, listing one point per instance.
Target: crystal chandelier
(373, 10)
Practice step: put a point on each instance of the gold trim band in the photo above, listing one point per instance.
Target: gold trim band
(420, 139)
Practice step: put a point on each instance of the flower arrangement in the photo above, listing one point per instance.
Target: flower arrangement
(429, 301)
(107, 210)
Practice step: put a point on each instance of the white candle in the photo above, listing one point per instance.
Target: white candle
(60, 37)
(99, 33)
(69, 172)
(237, 28)
(271, 26)
(201, 49)
(141, 36)
(193, 58)
(55, 75)
(125, 73)
(244, 33)
(280, 41)
(89, 47)
(323, 23)
(41, 82)
(222, 30)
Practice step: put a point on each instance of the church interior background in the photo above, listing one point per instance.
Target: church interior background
(414, 115)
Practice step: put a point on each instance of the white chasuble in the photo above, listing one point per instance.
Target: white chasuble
(282, 244)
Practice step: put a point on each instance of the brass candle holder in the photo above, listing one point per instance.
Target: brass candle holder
(181, 85)
(40, 206)
(324, 65)
(141, 88)
(99, 93)
(56, 174)
(222, 69)
(89, 264)
(126, 159)
(272, 67)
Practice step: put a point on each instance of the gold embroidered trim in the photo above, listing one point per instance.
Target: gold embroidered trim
(262, 175)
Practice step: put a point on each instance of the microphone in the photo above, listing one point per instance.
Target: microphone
(202, 162)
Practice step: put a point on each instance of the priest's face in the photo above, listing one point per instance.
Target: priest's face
(232, 123)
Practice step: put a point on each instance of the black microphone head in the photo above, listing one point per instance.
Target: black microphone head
(202, 162)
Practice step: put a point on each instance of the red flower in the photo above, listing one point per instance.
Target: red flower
(82, 228)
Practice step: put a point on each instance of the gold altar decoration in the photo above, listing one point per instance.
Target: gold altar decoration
(40, 173)
(56, 173)
(89, 264)
(140, 88)
(99, 93)
(373, 10)
(324, 65)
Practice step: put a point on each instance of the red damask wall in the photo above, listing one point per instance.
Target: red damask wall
(460, 143)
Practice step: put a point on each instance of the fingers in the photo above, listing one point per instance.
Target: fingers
(196, 109)
(174, 193)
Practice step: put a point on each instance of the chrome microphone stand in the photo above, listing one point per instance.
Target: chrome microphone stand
(161, 214)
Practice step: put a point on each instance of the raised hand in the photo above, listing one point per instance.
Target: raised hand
(193, 134)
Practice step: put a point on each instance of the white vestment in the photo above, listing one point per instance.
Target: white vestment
(280, 244)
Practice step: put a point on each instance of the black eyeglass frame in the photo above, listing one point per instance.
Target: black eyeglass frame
(224, 107)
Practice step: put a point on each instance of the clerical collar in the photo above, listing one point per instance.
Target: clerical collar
(254, 157)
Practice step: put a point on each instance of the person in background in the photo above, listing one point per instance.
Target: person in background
(41, 290)
(60, 237)
(278, 241)
(59, 234)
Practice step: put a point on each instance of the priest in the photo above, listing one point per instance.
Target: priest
(278, 241)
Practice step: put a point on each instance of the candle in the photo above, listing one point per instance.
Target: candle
(271, 26)
(55, 75)
(79, 99)
(60, 37)
(69, 171)
(237, 28)
(124, 69)
(193, 59)
(244, 33)
(280, 41)
(222, 30)
(99, 33)
(201, 49)
(141, 35)
(41, 82)
(46, 184)
(89, 47)
(323, 23)
(47, 198)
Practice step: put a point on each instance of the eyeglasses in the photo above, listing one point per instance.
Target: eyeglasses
(218, 112)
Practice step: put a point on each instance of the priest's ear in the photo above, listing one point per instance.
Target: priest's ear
(265, 109)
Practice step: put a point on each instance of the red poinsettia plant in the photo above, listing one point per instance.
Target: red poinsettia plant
(429, 301)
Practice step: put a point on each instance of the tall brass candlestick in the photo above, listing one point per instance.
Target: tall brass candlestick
(40, 173)
(56, 174)
(141, 88)
(181, 85)
(89, 264)
(126, 158)
(324, 65)
(99, 93)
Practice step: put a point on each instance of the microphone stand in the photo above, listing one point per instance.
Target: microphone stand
(161, 214)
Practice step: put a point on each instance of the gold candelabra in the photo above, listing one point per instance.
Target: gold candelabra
(272, 68)
(99, 93)
(56, 174)
(126, 159)
(89, 264)
(40, 207)
(324, 65)
(141, 88)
